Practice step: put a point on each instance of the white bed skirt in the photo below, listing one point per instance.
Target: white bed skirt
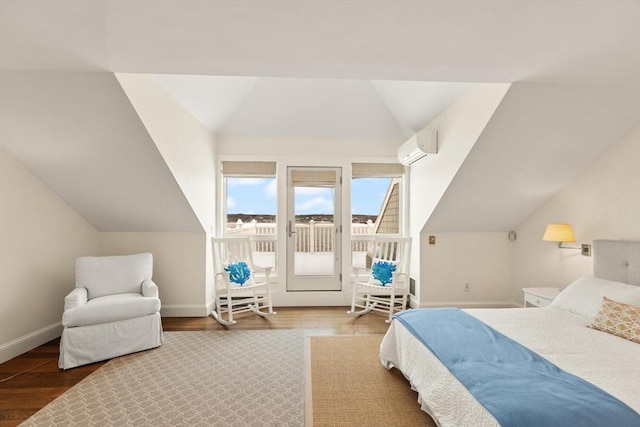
(88, 344)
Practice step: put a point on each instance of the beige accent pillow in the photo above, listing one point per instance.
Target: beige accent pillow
(618, 319)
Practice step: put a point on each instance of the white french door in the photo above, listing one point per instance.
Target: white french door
(314, 228)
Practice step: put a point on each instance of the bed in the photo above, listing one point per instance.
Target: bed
(559, 334)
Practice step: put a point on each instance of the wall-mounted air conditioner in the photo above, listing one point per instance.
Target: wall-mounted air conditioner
(419, 145)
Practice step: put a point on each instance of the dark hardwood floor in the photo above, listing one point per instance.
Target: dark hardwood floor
(32, 380)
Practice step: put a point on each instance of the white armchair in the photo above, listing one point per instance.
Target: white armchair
(113, 310)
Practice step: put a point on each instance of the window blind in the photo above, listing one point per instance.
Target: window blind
(313, 178)
(245, 169)
(373, 170)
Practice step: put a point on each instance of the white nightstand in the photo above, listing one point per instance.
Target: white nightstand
(539, 297)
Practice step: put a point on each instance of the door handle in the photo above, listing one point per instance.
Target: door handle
(290, 229)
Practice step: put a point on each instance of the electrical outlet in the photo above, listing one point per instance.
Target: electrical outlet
(467, 288)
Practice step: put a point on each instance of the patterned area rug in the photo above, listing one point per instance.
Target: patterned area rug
(230, 378)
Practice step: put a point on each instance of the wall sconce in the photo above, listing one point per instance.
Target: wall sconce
(561, 233)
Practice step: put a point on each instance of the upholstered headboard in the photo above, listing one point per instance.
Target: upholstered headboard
(617, 260)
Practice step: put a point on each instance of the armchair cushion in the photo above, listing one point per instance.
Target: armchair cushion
(109, 275)
(110, 308)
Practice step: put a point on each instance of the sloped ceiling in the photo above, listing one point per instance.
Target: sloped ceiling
(536, 142)
(352, 43)
(80, 135)
(440, 40)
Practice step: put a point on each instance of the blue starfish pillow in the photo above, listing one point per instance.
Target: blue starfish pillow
(382, 272)
(239, 272)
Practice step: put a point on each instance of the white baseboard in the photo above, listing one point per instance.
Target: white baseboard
(184, 310)
(34, 339)
(211, 305)
(413, 302)
(30, 341)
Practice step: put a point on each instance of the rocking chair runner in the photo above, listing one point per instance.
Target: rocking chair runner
(384, 287)
(237, 287)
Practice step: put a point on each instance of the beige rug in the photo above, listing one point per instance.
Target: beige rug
(230, 378)
(350, 387)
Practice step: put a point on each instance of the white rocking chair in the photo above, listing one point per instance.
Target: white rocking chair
(237, 288)
(385, 286)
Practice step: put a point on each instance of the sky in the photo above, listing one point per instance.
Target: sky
(258, 196)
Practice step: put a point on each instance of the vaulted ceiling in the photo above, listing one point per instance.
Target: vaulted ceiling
(347, 69)
(312, 108)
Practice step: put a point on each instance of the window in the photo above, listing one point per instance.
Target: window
(376, 205)
(250, 206)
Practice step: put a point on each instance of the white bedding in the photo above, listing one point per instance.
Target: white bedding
(607, 361)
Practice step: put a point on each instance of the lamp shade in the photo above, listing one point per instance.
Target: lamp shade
(559, 233)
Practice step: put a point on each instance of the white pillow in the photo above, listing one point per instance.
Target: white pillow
(584, 296)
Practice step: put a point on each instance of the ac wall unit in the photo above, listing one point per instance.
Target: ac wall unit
(419, 145)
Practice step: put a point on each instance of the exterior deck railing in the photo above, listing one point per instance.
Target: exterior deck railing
(310, 237)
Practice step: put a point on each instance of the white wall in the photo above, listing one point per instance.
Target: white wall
(179, 266)
(458, 129)
(272, 148)
(187, 147)
(603, 202)
(41, 237)
(481, 260)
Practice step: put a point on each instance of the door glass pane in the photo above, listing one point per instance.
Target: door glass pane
(314, 208)
(313, 229)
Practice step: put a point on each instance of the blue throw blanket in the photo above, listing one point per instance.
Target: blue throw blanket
(517, 386)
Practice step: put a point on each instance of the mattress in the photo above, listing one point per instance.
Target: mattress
(607, 361)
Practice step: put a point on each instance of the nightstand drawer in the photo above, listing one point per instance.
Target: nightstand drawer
(539, 297)
(536, 300)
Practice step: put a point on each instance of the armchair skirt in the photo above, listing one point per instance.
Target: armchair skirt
(92, 343)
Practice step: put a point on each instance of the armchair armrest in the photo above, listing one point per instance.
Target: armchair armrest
(149, 289)
(76, 298)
